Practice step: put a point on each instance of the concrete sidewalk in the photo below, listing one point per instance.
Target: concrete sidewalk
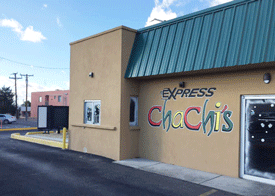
(225, 183)
(51, 136)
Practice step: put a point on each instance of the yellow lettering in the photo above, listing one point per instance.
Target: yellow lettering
(180, 124)
(217, 126)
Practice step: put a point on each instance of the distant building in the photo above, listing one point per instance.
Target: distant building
(23, 111)
(55, 98)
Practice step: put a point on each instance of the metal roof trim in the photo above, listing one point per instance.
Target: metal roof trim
(238, 33)
(218, 70)
(195, 14)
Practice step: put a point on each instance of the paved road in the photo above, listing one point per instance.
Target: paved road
(21, 123)
(32, 169)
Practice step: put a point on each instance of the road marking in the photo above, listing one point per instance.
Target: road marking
(209, 192)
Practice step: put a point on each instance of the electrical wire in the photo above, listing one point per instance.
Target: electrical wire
(30, 65)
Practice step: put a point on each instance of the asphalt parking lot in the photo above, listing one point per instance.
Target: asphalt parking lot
(32, 169)
(21, 123)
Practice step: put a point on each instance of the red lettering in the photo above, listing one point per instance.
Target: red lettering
(150, 116)
(188, 125)
(225, 108)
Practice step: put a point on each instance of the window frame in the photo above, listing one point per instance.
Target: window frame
(92, 104)
(59, 96)
(135, 122)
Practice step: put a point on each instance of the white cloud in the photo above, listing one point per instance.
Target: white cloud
(30, 35)
(25, 35)
(161, 11)
(16, 26)
(217, 2)
(67, 85)
(45, 5)
(58, 22)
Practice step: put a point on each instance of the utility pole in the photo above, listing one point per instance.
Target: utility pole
(15, 78)
(26, 93)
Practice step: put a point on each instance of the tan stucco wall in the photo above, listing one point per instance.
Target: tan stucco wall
(129, 137)
(101, 54)
(220, 151)
(106, 55)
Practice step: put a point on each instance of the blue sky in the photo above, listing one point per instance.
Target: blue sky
(35, 34)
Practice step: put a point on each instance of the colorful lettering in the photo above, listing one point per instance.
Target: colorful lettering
(180, 118)
(187, 124)
(164, 117)
(180, 113)
(226, 117)
(150, 116)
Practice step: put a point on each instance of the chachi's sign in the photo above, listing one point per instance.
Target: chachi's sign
(219, 118)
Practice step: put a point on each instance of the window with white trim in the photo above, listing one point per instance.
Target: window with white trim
(133, 111)
(92, 112)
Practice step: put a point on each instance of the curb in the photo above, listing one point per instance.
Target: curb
(19, 129)
(51, 143)
(37, 132)
(41, 132)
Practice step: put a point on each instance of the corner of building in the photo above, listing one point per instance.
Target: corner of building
(129, 136)
(100, 55)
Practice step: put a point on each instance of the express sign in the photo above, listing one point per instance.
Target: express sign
(167, 93)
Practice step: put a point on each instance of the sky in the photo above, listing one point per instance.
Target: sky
(35, 34)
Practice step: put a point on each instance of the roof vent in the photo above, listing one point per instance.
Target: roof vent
(158, 20)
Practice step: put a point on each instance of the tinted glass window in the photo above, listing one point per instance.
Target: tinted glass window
(133, 111)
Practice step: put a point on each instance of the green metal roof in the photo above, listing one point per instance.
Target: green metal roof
(237, 33)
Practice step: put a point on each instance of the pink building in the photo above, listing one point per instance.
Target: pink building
(55, 98)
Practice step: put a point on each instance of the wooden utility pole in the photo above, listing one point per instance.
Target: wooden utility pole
(15, 78)
(26, 93)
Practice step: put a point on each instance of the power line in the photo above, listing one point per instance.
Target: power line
(31, 65)
(15, 78)
(26, 93)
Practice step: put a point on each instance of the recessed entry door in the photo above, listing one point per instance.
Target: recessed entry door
(258, 138)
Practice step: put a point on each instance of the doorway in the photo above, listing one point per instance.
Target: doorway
(258, 138)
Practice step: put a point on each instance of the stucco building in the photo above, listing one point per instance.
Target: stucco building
(196, 91)
(54, 98)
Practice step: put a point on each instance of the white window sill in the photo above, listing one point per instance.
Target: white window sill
(95, 126)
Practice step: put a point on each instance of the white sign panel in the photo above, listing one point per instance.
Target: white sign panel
(42, 117)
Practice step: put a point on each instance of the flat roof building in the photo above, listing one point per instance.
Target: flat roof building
(196, 91)
(54, 98)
